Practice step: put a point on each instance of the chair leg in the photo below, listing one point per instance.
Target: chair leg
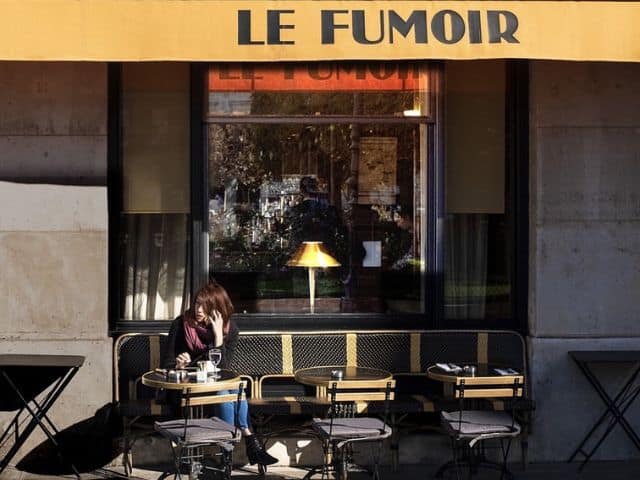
(326, 459)
(177, 459)
(127, 445)
(376, 454)
(394, 442)
(340, 463)
(505, 455)
(227, 459)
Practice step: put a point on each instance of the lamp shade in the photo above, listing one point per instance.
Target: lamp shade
(312, 254)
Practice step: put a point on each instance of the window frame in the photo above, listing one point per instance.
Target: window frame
(517, 178)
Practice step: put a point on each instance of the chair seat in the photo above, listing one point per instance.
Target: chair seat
(205, 430)
(479, 422)
(358, 427)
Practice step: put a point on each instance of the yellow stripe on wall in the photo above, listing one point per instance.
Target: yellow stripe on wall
(483, 345)
(294, 405)
(352, 350)
(154, 352)
(224, 30)
(415, 353)
(287, 354)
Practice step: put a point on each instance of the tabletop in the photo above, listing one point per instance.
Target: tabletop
(322, 376)
(485, 373)
(31, 375)
(30, 360)
(157, 379)
(605, 356)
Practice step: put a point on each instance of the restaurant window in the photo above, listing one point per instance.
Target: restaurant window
(478, 249)
(153, 240)
(329, 152)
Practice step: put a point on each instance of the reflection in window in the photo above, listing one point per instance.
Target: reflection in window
(354, 186)
(320, 88)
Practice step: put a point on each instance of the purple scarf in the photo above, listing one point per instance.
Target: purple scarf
(197, 337)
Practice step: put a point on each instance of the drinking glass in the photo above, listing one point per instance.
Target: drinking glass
(215, 355)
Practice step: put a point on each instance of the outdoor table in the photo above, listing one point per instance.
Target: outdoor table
(23, 378)
(323, 376)
(156, 379)
(616, 406)
(486, 374)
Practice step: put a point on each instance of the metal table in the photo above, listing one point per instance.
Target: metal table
(155, 379)
(24, 378)
(484, 374)
(617, 405)
(322, 376)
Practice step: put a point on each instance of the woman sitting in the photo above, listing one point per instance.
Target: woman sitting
(207, 324)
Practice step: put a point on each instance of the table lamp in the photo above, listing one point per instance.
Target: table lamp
(312, 255)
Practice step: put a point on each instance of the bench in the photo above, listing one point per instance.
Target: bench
(268, 360)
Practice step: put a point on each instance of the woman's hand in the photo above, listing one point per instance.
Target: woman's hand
(183, 360)
(217, 323)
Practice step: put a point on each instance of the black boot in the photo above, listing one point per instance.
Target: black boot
(256, 452)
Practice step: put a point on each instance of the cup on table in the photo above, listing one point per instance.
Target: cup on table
(201, 373)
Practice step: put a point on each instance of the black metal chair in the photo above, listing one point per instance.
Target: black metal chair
(343, 428)
(469, 429)
(189, 435)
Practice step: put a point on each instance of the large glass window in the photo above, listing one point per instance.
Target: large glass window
(347, 154)
(329, 152)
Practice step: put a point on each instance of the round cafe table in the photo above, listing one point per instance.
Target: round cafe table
(322, 376)
(155, 379)
(487, 374)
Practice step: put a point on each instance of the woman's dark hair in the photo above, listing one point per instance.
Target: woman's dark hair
(212, 297)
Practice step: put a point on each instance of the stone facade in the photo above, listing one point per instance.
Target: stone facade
(584, 266)
(584, 230)
(53, 236)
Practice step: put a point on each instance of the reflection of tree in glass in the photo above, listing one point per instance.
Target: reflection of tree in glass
(234, 155)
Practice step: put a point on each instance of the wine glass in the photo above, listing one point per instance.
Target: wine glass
(215, 356)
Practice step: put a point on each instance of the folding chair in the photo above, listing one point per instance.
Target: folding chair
(189, 435)
(343, 428)
(469, 429)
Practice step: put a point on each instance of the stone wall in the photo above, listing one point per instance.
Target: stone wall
(585, 243)
(53, 236)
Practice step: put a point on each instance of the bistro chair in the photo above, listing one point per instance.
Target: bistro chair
(469, 429)
(343, 428)
(191, 434)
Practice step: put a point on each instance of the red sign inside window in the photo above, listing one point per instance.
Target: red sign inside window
(316, 77)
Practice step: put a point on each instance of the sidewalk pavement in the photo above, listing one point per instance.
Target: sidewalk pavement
(618, 470)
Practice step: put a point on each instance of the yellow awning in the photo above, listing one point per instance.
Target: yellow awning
(228, 30)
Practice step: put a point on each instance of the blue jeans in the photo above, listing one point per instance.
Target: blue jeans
(226, 411)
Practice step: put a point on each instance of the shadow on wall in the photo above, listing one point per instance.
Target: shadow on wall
(88, 445)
